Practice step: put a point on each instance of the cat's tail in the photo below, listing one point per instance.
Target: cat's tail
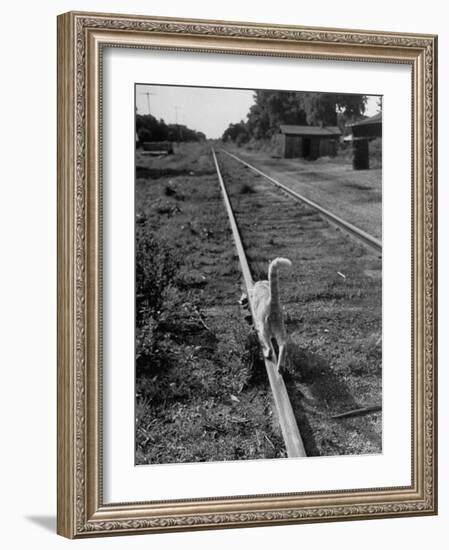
(273, 274)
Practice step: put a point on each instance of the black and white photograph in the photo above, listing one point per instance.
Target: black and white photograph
(258, 274)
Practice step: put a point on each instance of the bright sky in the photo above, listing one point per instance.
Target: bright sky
(371, 105)
(209, 110)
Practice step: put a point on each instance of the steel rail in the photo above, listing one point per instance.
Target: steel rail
(287, 420)
(365, 238)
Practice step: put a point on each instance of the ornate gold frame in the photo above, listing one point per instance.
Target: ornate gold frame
(81, 37)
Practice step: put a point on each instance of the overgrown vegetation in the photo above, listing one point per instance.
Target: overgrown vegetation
(156, 267)
(201, 388)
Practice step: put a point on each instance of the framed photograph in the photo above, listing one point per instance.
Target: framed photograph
(246, 274)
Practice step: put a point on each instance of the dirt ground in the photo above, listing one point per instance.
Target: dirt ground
(354, 195)
(203, 394)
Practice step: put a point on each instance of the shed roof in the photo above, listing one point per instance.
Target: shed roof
(376, 119)
(291, 129)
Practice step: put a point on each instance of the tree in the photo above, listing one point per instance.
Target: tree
(148, 128)
(272, 108)
(233, 131)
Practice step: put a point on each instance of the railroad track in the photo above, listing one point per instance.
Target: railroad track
(290, 432)
(267, 223)
(356, 233)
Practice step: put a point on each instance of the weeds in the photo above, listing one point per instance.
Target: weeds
(157, 265)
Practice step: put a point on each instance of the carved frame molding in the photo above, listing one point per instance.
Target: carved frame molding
(81, 39)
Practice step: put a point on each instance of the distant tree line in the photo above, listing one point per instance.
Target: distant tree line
(273, 108)
(149, 128)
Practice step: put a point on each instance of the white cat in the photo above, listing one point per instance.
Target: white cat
(267, 311)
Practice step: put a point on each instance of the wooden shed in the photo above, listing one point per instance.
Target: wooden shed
(309, 142)
(362, 133)
(368, 128)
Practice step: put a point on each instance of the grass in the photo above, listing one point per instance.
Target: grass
(201, 387)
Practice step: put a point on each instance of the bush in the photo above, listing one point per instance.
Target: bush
(157, 265)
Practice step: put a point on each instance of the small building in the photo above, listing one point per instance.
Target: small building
(362, 133)
(368, 128)
(309, 142)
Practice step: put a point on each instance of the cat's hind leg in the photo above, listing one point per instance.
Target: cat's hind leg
(267, 350)
(281, 356)
(266, 343)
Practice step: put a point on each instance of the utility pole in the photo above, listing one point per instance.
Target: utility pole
(148, 100)
(178, 129)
